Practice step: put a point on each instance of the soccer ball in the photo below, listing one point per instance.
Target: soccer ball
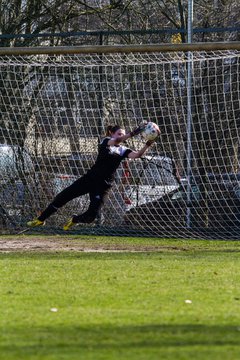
(151, 131)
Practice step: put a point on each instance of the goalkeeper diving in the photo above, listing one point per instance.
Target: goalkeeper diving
(98, 180)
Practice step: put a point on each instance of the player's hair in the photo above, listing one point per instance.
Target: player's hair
(111, 129)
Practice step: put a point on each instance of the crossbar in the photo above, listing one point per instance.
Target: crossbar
(105, 49)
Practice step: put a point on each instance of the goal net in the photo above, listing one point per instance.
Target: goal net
(54, 112)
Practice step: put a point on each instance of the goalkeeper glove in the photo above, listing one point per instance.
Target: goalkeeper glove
(138, 130)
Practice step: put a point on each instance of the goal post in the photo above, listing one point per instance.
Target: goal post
(55, 106)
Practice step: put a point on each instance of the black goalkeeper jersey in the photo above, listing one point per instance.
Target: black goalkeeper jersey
(108, 160)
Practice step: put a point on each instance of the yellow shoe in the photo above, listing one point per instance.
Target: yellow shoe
(35, 222)
(69, 224)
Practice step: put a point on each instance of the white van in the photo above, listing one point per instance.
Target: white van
(150, 178)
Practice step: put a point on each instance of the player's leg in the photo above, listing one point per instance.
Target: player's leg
(78, 188)
(97, 199)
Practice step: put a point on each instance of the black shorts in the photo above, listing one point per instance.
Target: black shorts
(82, 186)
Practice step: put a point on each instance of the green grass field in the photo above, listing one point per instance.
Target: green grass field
(121, 305)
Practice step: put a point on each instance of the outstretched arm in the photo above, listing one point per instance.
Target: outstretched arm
(141, 152)
(122, 138)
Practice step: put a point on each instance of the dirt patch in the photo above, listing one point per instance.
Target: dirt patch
(61, 243)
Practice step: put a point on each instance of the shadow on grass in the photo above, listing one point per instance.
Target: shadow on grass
(79, 255)
(158, 254)
(70, 340)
